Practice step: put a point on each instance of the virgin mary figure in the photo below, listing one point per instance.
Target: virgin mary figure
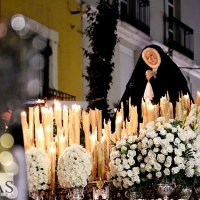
(154, 76)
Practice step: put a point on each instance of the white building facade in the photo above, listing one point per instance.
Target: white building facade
(170, 24)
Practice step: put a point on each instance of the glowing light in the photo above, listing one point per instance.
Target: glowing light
(18, 22)
(7, 140)
(6, 158)
(12, 168)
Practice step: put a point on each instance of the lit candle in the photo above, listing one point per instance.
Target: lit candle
(77, 115)
(150, 111)
(31, 125)
(98, 115)
(37, 117)
(86, 128)
(93, 152)
(65, 123)
(104, 153)
(198, 98)
(118, 127)
(51, 118)
(58, 114)
(53, 164)
(25, 129)
(92, 120)
(100, 159)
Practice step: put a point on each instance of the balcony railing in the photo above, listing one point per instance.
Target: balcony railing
(179, 36)
(58, 95)
(136, 13)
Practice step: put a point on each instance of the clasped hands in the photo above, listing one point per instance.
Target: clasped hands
(149, 73)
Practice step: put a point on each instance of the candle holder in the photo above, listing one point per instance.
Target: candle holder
(100, 189)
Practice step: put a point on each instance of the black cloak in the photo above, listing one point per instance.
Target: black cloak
(168, 78)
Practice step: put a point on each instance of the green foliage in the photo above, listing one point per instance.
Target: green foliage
(103, 38)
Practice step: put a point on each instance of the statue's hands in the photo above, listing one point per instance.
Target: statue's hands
(149, 74)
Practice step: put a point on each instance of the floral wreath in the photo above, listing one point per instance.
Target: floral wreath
(157, 54)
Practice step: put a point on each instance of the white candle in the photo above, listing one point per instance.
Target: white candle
(53, 164)
(65, 123)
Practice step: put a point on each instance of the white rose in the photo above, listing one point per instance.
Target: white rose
(131, 153)
(117, 161)
(166, 171)
(123, 148)
(168, 164)
(189, 172)
(146, 159)
(142, 165)
(174, 130)
(150, 143)
(177, 141)
(160, 158)
(156, 150)
(191, 163)
(129, 173)
(131, 161)
(157, 141)
(168, 158)
(163, 132)
(178, 160)
(133, 146)
(181, 146)
(168, 125)
(158, 174)
(136, 170)
(149, 176)
(122, 142)
(139, 157)
(182, 137)
(178, 152)
(123, 173)
(127, 166)
(164, 151)
(144, 152)
(157, 166)
(181, 166)
(120, 167)
(175, 170)
(170, 137)
(151, 161)
(148, 167)
(169, 148)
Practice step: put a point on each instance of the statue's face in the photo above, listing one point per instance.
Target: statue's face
(151, 57)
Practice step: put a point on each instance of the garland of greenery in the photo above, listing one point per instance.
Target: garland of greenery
(103, 38)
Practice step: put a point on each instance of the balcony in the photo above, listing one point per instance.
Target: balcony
(58, 95)
(136, 13)
(179, 36)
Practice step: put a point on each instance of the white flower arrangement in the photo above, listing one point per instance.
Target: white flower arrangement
(74, 167)
(38, 168)
(164, 149)
(168, 151)
(123, 169)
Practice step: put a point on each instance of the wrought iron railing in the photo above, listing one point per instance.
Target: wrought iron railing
(179, 36)
(136, 13)
(58, 95)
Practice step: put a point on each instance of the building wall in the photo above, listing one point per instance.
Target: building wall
(134, 41)
(58, 16)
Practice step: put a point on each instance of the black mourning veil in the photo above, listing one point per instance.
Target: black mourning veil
(168, 79)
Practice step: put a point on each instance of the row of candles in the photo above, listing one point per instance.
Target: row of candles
(38, 126)
(38, 130)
